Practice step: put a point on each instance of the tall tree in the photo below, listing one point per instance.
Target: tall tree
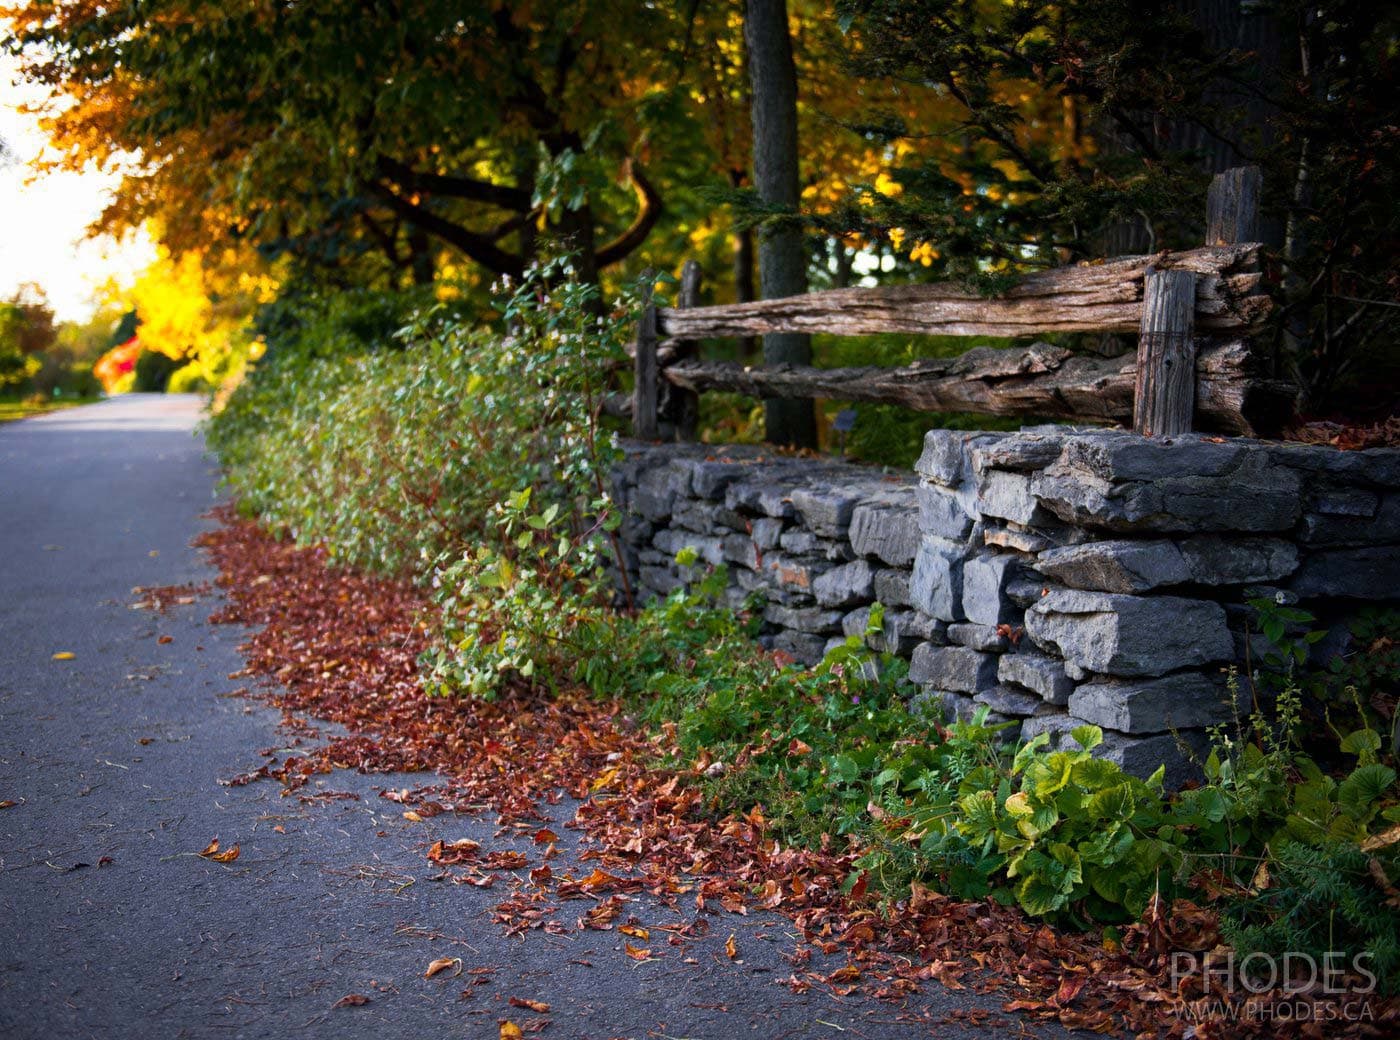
(782, 252)
(407, 128)
(1156, 94)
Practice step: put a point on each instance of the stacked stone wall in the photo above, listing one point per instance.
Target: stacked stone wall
(1057, 576)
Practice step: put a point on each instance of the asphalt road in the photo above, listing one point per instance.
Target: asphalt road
(110, 923)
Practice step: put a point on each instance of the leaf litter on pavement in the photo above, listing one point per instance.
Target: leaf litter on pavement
(342, 647)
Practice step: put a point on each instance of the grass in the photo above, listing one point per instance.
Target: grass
(13, 408)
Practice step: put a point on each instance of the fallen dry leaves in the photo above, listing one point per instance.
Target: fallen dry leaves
(443, 964)
(334, 645)
(212, 852)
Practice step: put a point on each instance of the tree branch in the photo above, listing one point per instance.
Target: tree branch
(502, 195)
(478, 247)
(651, 208)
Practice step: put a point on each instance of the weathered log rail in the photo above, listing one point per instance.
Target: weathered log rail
(1194, 312)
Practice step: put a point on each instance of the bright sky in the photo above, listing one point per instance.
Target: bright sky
(43, 224)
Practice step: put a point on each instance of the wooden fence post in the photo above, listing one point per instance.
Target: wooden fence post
(686, 403)
(646, 372)
(1232, 206)
(1164, 396)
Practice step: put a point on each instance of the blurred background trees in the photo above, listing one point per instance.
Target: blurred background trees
(318, 171)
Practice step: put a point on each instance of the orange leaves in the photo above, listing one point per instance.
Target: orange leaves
(442, 964)
(463, 850)
(598, 881)
(539, 1007)
(650, 830)
(510, 1031)
(212, 852)
(351, 1000)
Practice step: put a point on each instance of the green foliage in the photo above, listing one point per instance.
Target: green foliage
(398, 459)
(188, 379)
(1091, 128)
(153, 372)
(1323, 898)
(474, 462)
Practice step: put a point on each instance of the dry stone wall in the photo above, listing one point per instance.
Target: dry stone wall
(1057, 576)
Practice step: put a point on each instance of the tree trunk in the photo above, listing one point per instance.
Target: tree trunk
(782, 254)
(743, 268)
(420, 247)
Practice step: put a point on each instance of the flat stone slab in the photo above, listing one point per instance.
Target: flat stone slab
(1129, 635)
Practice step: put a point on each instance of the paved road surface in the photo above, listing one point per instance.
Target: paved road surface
(110, 926)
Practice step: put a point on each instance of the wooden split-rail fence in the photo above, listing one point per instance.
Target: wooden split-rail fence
(1196, 314)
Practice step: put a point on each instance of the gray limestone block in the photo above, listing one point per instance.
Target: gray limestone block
(671, 541)
(636, 530)
(1028, 589)
(1021, 452)
(1013, 537)
(925, 628)
(660, 579)
(1010, 702)
(766, 532)
(1183, 700)
(886, 529)
(1008, 496)
(1215, 560)
(801, 542)
(1054, 723)
(826, 509)
(695, 515)
(904, 630)
(710, 476)
(759, 497)
(984, 599)
(1382, 526)
(1366, 573)
(1377, 467)
(1129, 635)
(1343, 501)
(735, 598)
(1040, 673)
(856, 623)
(1116, 566)
(740, 549)
(892, 587)
(1179, 754)
(979, 637)
(803, 619)
(945, 457)
(953, 668)
(1119, 456)
(789, 572)
(900, 631)
(1140, 756)
(1253, 495)
(653, 496)
(947, 706)
(941, 512)
(935, 585)
(845, 585)
(805, 647)
(772, 591)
